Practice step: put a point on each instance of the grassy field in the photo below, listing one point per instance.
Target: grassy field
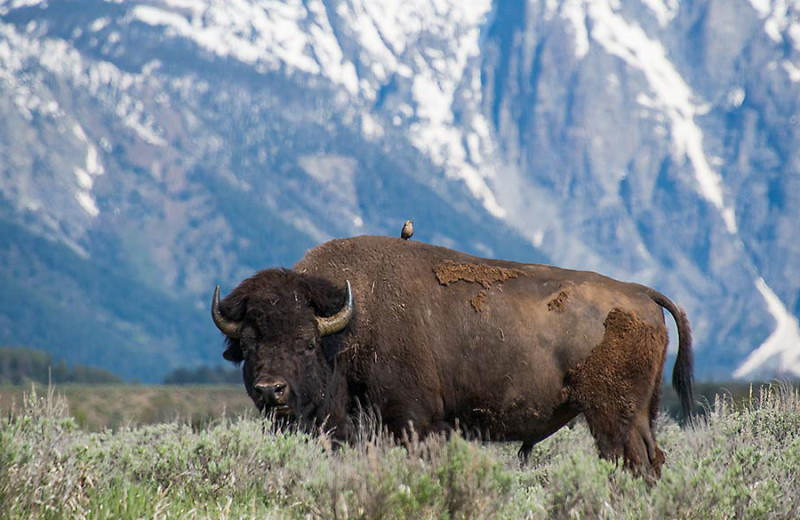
(97, 407)
(738, 461)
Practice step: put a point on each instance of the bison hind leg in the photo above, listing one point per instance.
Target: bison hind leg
(617, 387)
(642, 454)
(630, 439)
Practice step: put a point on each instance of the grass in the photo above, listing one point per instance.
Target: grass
(741, 460)
(99, 407)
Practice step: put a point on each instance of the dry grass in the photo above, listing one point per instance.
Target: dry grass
(96, 407)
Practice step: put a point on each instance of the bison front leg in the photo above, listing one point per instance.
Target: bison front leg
(417, 417)
(560, 417)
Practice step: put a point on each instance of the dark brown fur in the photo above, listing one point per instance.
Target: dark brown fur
(272, 303)
(544, 345)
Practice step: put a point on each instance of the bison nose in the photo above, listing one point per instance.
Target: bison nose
(275, 392)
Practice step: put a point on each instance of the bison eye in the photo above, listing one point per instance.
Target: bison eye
(310, 346)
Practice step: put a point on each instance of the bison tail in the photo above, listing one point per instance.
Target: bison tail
(682, 373)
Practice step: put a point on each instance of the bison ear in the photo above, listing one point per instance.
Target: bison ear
(234, 351)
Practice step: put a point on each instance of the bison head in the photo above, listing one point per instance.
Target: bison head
(283, 326)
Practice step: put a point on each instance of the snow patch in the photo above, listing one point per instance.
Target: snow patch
(779, 16)
(268, 34)
(85, 176)
(16, 4)
(574, 12)
(473, 147)
(782, 347)
(629, 42)
(99, 24)
(664, 10)
(370, 127)
(762, 7)
(792, 70)
(87, 203)
(736, 97)
(85, 180)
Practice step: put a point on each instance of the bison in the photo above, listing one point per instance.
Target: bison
(429, 338)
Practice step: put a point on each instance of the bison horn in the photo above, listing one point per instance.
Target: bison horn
(338, 321)
(232, 329)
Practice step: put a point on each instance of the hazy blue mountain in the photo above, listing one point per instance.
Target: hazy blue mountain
(152, 149)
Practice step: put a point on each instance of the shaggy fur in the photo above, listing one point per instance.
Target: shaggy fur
(440, 338)
(608, 387)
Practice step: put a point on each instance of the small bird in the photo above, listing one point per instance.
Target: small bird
(408, 230)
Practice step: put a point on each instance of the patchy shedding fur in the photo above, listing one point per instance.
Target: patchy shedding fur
(478, 300)
(450, 272)
(558, 303)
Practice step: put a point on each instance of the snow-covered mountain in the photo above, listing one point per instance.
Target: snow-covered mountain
(151, 149)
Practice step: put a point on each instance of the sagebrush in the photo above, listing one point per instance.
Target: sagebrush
(739, 461)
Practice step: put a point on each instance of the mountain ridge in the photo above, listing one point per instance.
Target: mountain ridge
(184, 143)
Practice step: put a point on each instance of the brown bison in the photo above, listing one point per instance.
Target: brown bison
(430, 337)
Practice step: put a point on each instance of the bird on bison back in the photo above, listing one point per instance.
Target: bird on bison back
(407, 231)
(431, 338)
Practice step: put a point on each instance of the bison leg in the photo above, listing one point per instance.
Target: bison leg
(420, 418)
(630, 438)
(642, 454)
(561, 416)
(616, 388)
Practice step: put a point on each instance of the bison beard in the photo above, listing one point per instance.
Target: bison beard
(430, 338)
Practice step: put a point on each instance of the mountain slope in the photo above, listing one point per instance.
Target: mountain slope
(150, 150)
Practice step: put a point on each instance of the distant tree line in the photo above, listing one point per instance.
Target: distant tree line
(205, 375)
(21, 365)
